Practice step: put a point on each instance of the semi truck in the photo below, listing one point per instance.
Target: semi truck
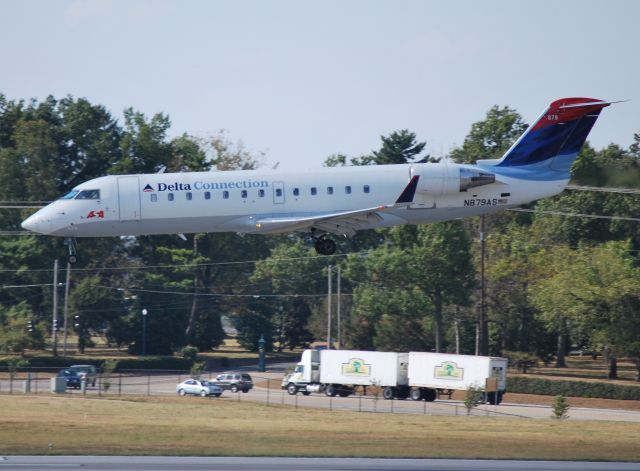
(417, 375)
(342, 372)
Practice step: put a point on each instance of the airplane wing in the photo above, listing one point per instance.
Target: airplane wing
(340, 223)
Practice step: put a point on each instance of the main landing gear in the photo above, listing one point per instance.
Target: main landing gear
(325, 246)
(73, 250)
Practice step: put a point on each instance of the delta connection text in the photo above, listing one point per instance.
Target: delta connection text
(212, 185)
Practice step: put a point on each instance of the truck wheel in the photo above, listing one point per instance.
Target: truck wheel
(491, 398)
(388, 393)
(305, 393)
(430, 395)
(292, 389)
(234, 388)
(330, 390)
(344, 392)
(416, 394)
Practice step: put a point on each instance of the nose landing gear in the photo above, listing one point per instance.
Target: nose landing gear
(73, 250)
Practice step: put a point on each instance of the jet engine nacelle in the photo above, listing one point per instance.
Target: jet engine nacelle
(445, 178)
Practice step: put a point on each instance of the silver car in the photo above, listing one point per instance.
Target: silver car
(199, 387)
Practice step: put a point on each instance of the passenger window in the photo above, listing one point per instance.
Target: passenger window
(278, 192)
(329, 190)
(88, 195)
(207, 195)
(347, 189)
(154, 198)
(366, 189)
(314, 191)
(243, 193)
(261, 193)
(296, 192)
(189, 195)
(225, 194)
(170, 196)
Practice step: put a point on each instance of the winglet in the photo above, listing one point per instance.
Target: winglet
(409, 192)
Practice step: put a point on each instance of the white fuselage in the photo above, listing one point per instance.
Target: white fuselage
(235, 201)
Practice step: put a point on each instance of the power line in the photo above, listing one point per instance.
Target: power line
(627, 191)
(577, 215)
(219, 295)
(191, 265)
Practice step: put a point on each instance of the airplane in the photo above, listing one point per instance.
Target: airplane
(320, 202)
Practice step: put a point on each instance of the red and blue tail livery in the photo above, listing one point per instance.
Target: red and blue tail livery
(548, 148)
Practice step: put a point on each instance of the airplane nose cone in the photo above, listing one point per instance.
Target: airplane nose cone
(33, 223)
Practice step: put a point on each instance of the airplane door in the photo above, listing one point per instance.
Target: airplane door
(129, 198)
(278, 192)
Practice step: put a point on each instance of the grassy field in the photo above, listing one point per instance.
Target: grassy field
(195, 426)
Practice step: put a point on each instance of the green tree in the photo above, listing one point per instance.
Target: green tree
(491, 137)
(15, 336)
(293, 270)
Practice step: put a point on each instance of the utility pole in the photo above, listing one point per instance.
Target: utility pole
(339, 301)
(483, 334)
(329, 307)
(54, 327)
(66, 307)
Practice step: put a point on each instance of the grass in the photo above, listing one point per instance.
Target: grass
(209, 427)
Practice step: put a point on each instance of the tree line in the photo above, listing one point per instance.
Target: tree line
(551, 282)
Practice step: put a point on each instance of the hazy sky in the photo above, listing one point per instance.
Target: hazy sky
(302, 80)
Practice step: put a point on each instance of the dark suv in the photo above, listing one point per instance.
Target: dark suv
(71, 377)
(234, 382)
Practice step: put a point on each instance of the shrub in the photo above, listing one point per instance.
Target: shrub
(559, 408)
(190, 352)
(473, 397)
(548, 387)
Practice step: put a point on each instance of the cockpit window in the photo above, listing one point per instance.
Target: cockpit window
(70, 195)
(88, 195)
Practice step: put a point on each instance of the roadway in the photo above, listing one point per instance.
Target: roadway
(268, 391)
(170, 463)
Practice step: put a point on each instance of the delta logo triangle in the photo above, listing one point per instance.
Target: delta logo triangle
(147, 188)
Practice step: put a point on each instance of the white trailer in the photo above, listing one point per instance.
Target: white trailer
(342, 371)
(433, 374)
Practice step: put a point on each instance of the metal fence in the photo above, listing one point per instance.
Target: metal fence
(266, 390)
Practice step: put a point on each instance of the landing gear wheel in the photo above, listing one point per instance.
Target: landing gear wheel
(325, 246)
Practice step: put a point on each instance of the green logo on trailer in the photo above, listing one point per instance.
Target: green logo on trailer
(449, 370)
(356, 367)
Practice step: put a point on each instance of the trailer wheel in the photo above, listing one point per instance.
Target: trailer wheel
(292, 389)
(430, 395)
(416, 394)
(330, 390)
(491, 398)
(388, 393)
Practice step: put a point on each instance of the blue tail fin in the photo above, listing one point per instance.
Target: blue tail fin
(549, 146)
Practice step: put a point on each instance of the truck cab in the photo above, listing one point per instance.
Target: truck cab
(306, 373)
